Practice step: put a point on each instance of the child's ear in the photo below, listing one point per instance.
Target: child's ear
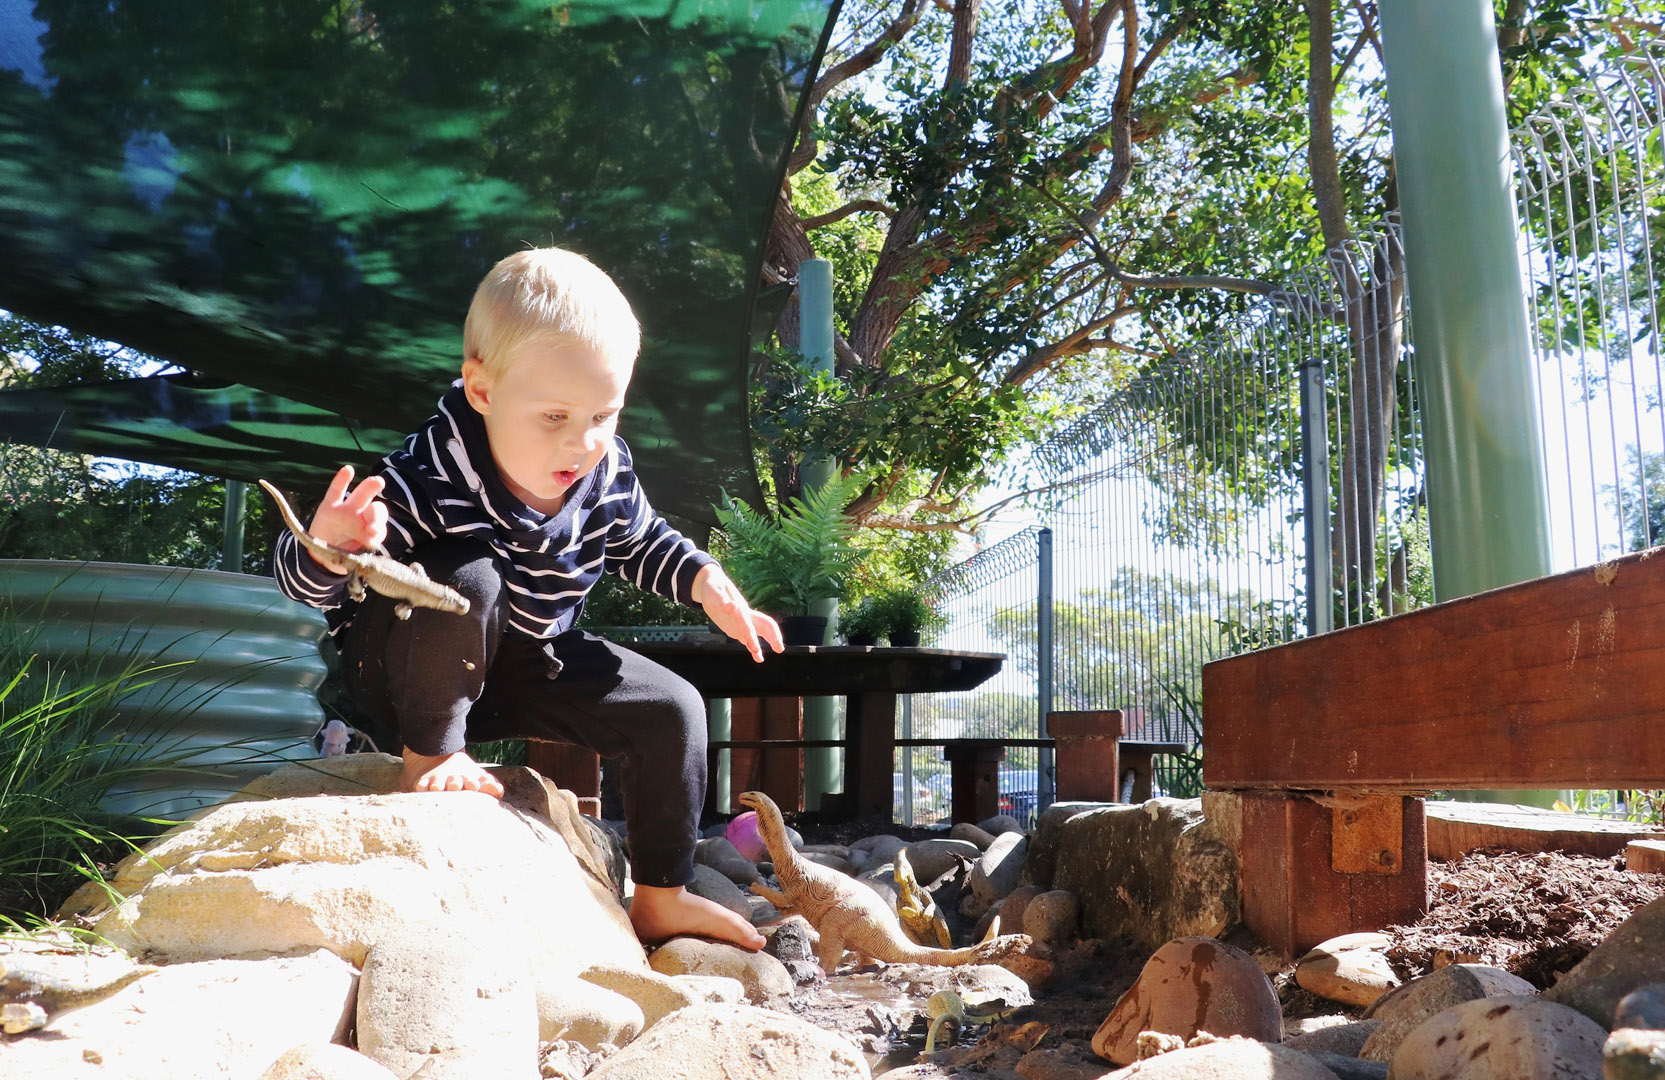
(477, 384)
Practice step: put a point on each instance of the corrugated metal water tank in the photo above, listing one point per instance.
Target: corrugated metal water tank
(245, 701)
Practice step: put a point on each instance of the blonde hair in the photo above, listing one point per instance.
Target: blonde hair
(550, 295)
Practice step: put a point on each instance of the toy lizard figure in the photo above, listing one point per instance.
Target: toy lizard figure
(915, 908)
(408, 583)
(29, 1000)
(848, 915)
(947, 1006)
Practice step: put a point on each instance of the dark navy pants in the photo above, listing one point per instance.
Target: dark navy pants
(444, 679)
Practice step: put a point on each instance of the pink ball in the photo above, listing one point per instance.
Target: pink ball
(742, 833)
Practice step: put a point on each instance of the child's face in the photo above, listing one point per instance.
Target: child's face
(550, 416)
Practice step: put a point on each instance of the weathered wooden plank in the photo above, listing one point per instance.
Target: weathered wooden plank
(1558, 682)
(1457, 828)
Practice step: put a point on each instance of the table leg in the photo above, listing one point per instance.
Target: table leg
(870, 757)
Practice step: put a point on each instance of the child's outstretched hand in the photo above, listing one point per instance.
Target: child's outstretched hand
(352, 520)
(725, 606)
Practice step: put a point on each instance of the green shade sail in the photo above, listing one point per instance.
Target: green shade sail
(295, 201)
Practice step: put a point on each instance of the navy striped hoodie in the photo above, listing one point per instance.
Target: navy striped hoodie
(444, 480)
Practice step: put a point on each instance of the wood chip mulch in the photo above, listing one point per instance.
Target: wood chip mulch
(1534, 915)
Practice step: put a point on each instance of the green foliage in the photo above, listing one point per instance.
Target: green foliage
(63, 749)
(615, 602)
(1180, 775)
(783, 564)
(865, 620)
(1640, 501)
(904, 611)
(55, 505)
(1643, 807)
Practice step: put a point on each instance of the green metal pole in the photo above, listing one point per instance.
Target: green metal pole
(1487, 507)
(236, 505)
(720, 712)
(1486, 493)
(815, 342)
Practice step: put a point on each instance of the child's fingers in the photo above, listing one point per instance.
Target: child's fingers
(338, 485)
(769, 631)
(377, 525)
(365, 494)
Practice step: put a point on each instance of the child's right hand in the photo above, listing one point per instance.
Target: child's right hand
(351, 520)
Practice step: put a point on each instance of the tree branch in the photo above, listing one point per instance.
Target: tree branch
(861, 60)
(1321, 156)
(855, 207)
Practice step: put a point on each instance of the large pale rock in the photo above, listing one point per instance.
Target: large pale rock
(1347, 1039)
(1227, 1059)
(974, 982)
(1052, 916)
(734, 1042)
(253, 878)
(965, 830)
(995, 873)
(1038, 868)
(205, 1020)
(764, 977)
(933, 858)
(1352, 969)
(1631, 957)
(1516, 1036)
(658, 995)
(450, 1008)
(1407, 1007)
(1151, 872)
(873, 851)
(586, 1013)
(325, 1061)
(1192, 985)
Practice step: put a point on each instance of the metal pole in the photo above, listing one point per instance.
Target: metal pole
(815, 342)
(721, 726)
(1488, 513)
(1315, 484)
(236, 506)
(1044, 658)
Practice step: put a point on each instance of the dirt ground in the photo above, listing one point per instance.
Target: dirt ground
(1535, 915)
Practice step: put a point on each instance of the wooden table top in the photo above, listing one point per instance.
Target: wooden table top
(724, 669)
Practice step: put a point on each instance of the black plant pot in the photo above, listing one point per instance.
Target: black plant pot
(861, 639)
(905, 639)
(804, 629)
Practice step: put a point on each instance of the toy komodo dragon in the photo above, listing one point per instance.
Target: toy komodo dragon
(407, 583)
(29, 1000)
(848, 915)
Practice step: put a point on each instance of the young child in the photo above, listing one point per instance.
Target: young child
(519, 495)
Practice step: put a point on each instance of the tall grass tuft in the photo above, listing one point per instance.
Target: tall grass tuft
(62, 752)
(74, 740)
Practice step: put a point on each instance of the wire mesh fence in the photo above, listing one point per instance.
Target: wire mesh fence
(1590, 183)
(1266, 482)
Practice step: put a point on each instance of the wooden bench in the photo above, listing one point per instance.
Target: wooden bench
(1329, 743)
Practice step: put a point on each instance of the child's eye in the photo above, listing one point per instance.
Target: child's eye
(603, 417)
(555, 417)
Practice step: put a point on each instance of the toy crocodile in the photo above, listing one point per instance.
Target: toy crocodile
(848, 915)
(407, 583)
(29, 1000)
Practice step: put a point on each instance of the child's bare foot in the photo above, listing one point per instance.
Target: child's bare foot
(447, 772)
(660, 914)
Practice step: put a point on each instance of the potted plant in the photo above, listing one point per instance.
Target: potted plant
(784, 564)
(863, 624)
(906, 615)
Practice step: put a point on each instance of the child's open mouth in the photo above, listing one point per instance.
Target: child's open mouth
(565, 477)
